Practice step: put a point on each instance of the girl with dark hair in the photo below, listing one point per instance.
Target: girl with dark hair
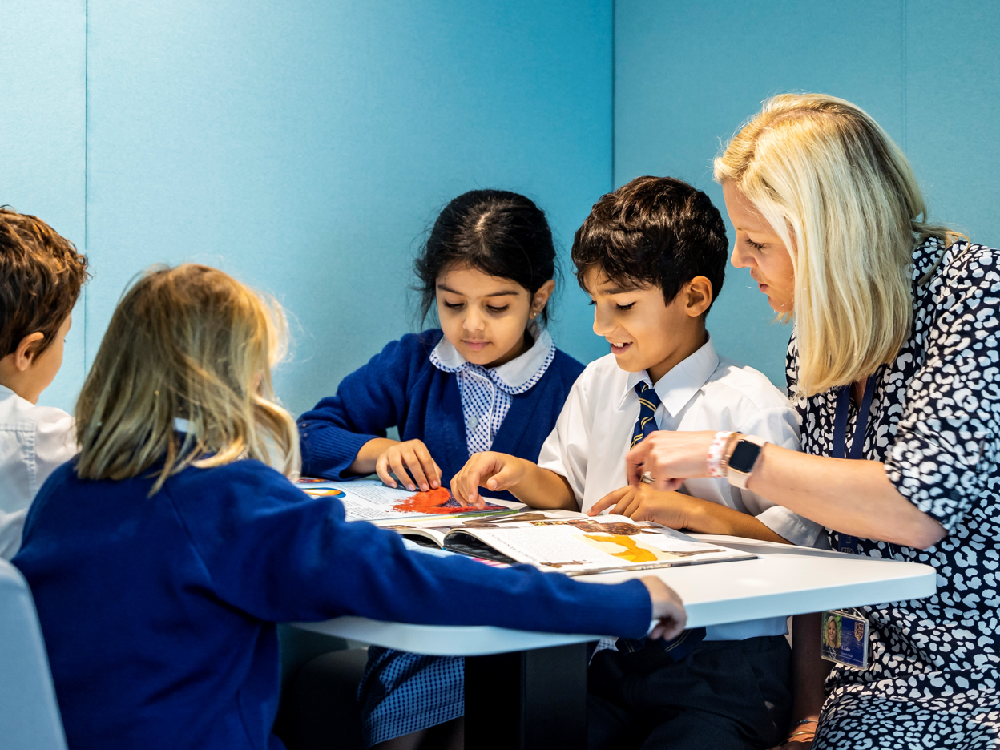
(490, 378)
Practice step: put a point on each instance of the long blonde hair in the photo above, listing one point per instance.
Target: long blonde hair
(842, 197)
(192, 343)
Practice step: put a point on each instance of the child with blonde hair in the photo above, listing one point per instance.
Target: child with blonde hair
(41, 275)
(161, 558)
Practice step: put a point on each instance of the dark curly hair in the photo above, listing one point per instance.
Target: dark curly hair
(654, 231)
(500, 233)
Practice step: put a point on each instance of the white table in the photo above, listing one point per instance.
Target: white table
(528, 690)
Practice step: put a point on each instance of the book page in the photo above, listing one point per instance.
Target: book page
(370, 500)
(590, 545)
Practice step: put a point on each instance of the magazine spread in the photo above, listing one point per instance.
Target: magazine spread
(370, 500)
(568, 541)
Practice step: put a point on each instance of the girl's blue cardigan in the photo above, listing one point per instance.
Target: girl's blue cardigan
(159, 612)
(400, 387)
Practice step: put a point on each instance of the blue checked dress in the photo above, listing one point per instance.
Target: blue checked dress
(401, 692)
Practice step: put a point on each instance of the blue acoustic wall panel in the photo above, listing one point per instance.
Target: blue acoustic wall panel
(953, 111)
(687, 75)
(43, 136)
(307, 146)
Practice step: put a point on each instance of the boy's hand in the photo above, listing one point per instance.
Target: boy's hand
(643, 503)
(667, 608)
(413, 457)
(495, 471)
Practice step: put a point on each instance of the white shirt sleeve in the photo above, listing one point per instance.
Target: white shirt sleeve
(55, 443)
(566, 448)
(33, 448)
(779, 426)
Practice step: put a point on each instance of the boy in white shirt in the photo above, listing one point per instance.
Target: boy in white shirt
(652, 256)
(41, 275)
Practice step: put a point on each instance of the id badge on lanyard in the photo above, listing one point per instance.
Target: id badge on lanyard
(843, 635)
(844, 639)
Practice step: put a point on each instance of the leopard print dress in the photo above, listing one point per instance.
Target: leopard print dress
(933, 679)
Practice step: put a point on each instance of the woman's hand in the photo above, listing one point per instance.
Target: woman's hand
(669, 458)
(495, 471)
(643, 503)
(801, 735)
(405, 460)
(668, 609)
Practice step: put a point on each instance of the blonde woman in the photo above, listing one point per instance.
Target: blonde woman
(894, 368)
(161, 559)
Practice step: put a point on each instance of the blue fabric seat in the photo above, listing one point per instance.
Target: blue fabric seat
(29, 715)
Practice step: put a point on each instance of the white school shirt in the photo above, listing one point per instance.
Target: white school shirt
(704, 392)
(486, 392)
(34, 440)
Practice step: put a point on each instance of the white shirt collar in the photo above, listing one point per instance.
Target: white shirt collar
(513, 374)
(680, 385)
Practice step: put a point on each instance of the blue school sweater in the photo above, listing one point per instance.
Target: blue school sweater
(400, 387)
(158, 612)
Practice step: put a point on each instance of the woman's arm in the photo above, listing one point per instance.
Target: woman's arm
(851, 496)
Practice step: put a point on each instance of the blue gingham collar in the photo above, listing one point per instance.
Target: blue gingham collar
(515, 376)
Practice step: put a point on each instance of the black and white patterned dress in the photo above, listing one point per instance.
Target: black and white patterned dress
(934, 674)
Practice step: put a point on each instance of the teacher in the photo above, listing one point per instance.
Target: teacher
(894, 368)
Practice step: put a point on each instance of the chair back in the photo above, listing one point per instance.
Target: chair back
(29, 715)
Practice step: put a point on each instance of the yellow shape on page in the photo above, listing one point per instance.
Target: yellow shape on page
(626, 548)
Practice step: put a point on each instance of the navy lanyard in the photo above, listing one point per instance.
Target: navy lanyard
(845, 542)
(840, 421)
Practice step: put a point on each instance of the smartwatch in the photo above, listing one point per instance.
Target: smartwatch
(742, 459)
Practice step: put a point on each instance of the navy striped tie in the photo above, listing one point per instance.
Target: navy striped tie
(645, 425)
(683, 644)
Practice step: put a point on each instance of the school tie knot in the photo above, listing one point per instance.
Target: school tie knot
(648, 403)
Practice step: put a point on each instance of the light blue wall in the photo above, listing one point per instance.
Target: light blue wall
(43, 137)
(687, 75)
(305, 147)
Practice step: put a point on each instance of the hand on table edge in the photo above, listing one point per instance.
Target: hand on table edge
(668, 609)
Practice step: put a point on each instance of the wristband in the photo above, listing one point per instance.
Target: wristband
(716, 452)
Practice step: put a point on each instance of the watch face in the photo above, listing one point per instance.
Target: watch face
(744, 456)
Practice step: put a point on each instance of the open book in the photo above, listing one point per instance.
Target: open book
(370, 500)
(566, 541)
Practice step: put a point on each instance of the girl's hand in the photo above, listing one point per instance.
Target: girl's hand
(669, 458)
(643, 503)
(413, 457)
(667, 608)
(495, 471)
